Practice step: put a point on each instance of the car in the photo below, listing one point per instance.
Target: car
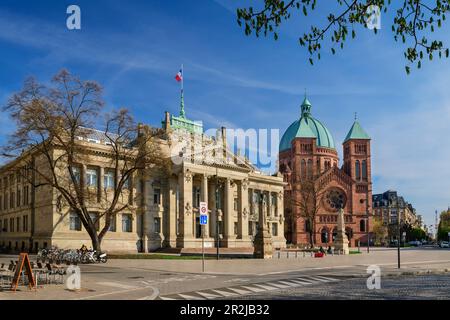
(415, 243)
(444, 244)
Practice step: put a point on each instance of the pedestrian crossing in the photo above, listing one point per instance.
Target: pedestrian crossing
(249, 289)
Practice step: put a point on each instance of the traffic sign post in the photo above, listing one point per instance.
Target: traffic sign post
(203, 223)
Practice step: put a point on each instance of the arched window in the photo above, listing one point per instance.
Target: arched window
(357, 170)
(310, 168)
(324, 235)
(362, 225)
(303, 168)
(364, 170)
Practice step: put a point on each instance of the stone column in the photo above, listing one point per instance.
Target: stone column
(186, 210)
(280, 213)
(100, 191)
(204, 198)
(170, 234)
(212, 207)
(228, 213)
(144, 211)
(244, 211)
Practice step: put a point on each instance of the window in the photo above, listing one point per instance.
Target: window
(11, 224)
(157, 225)
(303, 168)
(112, 226)
(157, 196)
(11, 200)
(5, 202)
(5, 225)
(1, 226)
(362, 226)
(17, 224)
(91, 177)
(108, 179)
(75, 222)
(196, 197)
(95, 220)
(274, 229)
(77, 173)
(236, 204)
(25, 224)
(1, 203)
(18, 198)
(126, 184)
(126, 223)
(357, 170)
(364, 170)
(235, 228)
(250, 228)
(310, 168)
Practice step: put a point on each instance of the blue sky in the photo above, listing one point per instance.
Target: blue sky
(135, 48)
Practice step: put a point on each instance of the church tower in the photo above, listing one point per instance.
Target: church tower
(357, 165)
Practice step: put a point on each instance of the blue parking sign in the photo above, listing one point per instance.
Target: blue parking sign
(203, 219)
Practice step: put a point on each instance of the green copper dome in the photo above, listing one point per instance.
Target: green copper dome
(307, 127)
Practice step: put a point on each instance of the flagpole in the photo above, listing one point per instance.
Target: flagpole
(182, 78)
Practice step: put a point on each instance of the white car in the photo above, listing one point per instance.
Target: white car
(444, 244)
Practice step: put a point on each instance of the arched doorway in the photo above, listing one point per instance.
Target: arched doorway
(349, 233)
(334, 234)
(324, 235)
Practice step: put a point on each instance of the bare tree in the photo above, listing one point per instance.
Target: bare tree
(53, 128)
(306, 200)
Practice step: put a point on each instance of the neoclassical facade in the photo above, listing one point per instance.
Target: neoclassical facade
(163, 206)
(207, 171)
(308, 157)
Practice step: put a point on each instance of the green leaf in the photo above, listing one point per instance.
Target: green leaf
(407, 70)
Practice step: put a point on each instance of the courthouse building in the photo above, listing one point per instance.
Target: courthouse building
(164, 207)
(308, 153)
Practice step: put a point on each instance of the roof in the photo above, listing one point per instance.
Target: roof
(356, 132)
(307, 127)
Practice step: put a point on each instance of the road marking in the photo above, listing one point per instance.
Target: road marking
(281, 286)
(207, 295)
(116, 285)
(225, 293)
(290, 284)
(188, 297)
(327, 278)
(254, 289)
(302, 283)
(239, 291)
(266, 287)
(166, 298)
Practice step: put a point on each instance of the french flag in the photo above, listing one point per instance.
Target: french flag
(179, 76)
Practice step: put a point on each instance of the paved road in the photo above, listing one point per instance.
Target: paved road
(180, 279)
(392, 288)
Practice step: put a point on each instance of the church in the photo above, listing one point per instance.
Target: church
(318, 186)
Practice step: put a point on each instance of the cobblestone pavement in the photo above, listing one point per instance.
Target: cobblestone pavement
(392, 288)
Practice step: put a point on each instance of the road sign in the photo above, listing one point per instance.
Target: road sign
(203, 208)
(203, 219)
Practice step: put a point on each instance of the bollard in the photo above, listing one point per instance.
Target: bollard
(279, 254)
(304, 254)
(296, 254)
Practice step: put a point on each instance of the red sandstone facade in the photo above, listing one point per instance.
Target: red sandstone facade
(352, 182)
